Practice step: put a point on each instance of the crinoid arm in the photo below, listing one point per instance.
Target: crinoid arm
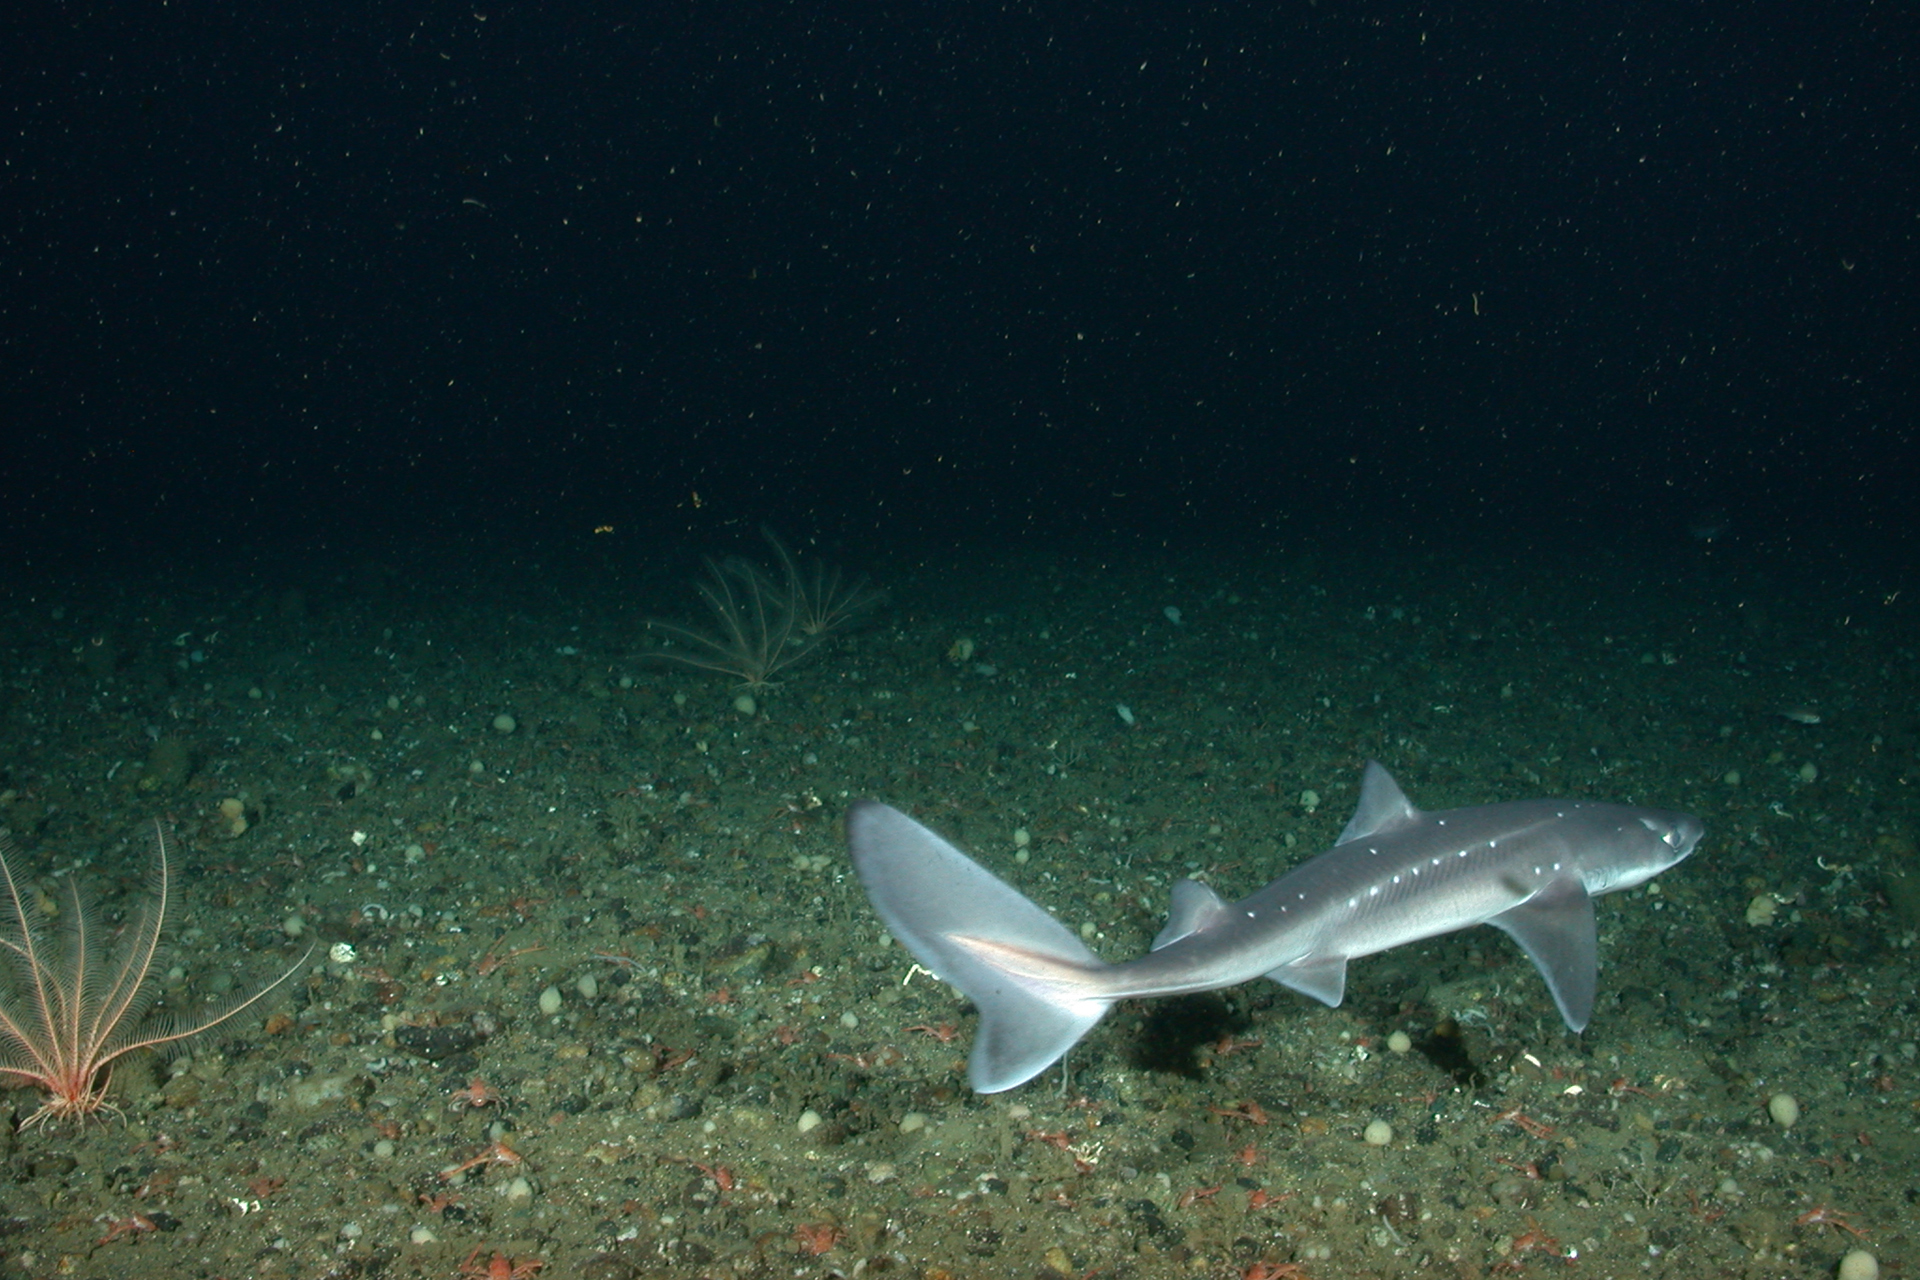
(74, 1001)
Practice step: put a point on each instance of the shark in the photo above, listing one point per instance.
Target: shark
(1397, 874)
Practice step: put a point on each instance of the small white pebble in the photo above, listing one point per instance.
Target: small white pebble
(809, 1120)
(294, 925)
(1399, 1042)
(384, 1148)
(849, 1020)
(518, 1189)
(1022, 837)
(1785, 1110)
(588, 986)
(1378, 1133)
(422, 1234)
(504, 723)
(1858, 1264)
(912, 1122)
(1809, 772)
(550, 1001)
(881, 1172)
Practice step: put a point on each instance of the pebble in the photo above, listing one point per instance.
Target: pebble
(1378, 1133)
(1785, 1110)
(550, 1001)
(1858, 1264)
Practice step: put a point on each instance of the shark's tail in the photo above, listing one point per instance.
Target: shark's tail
(1036, 987)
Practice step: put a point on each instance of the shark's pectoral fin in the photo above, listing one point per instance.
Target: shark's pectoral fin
(1194, 907)
(1322, 977)
(1555, 928)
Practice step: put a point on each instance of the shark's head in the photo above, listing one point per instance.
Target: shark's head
(1666, 836)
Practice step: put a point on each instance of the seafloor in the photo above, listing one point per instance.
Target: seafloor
(744, 1078)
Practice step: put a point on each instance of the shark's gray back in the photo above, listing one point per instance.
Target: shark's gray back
(1423, 878)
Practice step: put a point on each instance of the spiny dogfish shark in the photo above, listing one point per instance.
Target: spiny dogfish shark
(1530, 868)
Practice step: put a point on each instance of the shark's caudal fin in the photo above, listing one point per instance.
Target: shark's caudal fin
(1025, 971)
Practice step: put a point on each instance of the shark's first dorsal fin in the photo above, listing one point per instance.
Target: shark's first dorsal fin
(1383, 806)
(1194, 907)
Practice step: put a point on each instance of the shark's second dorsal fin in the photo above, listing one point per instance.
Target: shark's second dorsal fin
(1193, 908)
(1383, 806)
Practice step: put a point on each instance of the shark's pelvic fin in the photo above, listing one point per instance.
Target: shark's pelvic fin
(1322, 977)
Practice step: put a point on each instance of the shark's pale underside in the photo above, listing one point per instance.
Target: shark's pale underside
(1528, 867)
